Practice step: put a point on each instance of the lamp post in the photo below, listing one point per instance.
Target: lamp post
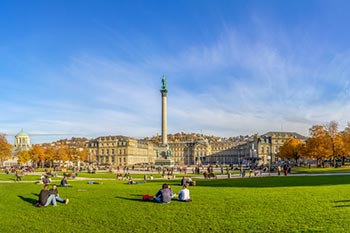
(269, 158)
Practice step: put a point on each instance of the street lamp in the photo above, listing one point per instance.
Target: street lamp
(269, 158)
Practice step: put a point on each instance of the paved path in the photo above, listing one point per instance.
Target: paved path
(179, 176)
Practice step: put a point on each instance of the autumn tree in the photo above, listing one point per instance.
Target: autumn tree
(292, 149)
(5, 149)
(335, 141)
(37, 154)
(317, 145)
(63, 153)
(50, 155)
(83, 154)
(346, 142)
(23, 157)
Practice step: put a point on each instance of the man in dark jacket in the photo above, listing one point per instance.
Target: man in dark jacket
(45, 198)
(164, 195)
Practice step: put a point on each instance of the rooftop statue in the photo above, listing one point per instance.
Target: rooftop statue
(163, 83)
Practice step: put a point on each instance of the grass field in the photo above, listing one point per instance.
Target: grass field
(269, 204)
(321, 170)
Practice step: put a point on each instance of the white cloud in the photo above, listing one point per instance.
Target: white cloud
(237, 85)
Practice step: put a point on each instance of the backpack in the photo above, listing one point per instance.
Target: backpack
(147, 197)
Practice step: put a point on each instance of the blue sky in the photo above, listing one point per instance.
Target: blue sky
(94, 68)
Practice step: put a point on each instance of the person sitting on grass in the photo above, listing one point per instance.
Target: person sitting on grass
(184, 194)
(44, 179)
(45, 198)
(173, 195)
(54, 191)
(64, 182)
(183, 181)
(164, 195)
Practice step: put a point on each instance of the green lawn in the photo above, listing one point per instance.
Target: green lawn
(269, 204)
(343, 169)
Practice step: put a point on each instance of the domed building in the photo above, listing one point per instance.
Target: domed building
(22, 142)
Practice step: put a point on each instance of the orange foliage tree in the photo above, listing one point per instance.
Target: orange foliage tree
(50, 155)
(37, 154)
(23, 157)
(317, 145)
(63, 153)
(292, 149)
(5, 149)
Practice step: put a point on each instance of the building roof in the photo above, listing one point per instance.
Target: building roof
(22, 134)
(296, 135)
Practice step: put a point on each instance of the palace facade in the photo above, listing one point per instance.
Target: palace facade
(121, 150)
(124, 151)
(263, 149)
(190, 149)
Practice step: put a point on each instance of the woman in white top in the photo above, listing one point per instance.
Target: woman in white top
(184, 194)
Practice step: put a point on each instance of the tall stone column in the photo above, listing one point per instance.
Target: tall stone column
(164, 117)
(163, 153)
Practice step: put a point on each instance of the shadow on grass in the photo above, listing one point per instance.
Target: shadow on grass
(136, 195)
(342, 201)
(341, 206)
(130, 199)
(28, 199)
(282, 181)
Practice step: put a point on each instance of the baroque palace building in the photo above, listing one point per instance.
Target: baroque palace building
(121, 150)
(190, 149)
(263, 149)
(200, 151)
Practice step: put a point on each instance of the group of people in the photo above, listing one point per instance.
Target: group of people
(50, 196)
(47, 197)
(165, 194)
(188, 181)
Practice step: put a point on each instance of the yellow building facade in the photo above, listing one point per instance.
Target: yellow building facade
(120, 150)
(125, 151)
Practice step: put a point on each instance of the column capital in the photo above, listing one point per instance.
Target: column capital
(164, 92)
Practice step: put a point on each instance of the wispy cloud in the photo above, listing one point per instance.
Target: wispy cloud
(237, 84)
